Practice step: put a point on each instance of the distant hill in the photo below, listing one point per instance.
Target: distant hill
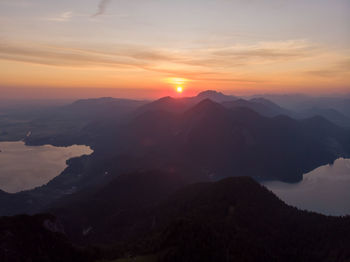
(66, 125)
(107, 105)
(259, 105)
(328, 113)
(300, 103)
(215, 96)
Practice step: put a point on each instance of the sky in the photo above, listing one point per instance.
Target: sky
(147, 48)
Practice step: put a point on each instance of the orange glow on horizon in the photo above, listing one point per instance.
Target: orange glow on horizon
(145, 51)
(45, 79)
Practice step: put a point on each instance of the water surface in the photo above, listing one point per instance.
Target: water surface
(324, 190)
(25, 167)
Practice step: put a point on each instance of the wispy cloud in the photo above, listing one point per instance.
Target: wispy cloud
(101, 7)
(214, 64)
(63, 17)
(61, 56)
(263, 52)
(332, 70)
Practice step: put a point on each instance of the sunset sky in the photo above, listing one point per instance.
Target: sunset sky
(147, 48)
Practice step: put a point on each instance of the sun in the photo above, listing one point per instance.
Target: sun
(179, 89)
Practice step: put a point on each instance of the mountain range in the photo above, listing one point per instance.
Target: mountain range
(175, 180)
(207, 137)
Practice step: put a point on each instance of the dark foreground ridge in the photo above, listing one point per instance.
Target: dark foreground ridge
(235, 219)
(36, 238)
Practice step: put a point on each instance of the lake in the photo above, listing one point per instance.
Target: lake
(25, 167)
(324, 190)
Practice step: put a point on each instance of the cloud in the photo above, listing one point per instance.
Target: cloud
(332, 70)
(62, 56)
(63, 17)
(234, 56)
(325, 73)
(101, 7)
(268, 51)
(246, 55)
(213, 64)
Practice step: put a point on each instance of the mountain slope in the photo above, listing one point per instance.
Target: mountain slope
(36, 238)
(103, 214)
(238, 220)
(235, 219)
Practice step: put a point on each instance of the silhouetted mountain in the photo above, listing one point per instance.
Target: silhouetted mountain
(226, 142)
(288, 101)
(169, 104)
(207, 141)
(259, 105)
(180, 105)
(104, 105)
(67, 125)
(341, 104)
(266, 102)
(300, 103)
(328, 113)
(235, 219)
(215, 96)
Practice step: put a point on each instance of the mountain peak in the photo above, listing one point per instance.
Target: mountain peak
(206, 107)
(209, 93)
(208, 103)
(167, 103)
